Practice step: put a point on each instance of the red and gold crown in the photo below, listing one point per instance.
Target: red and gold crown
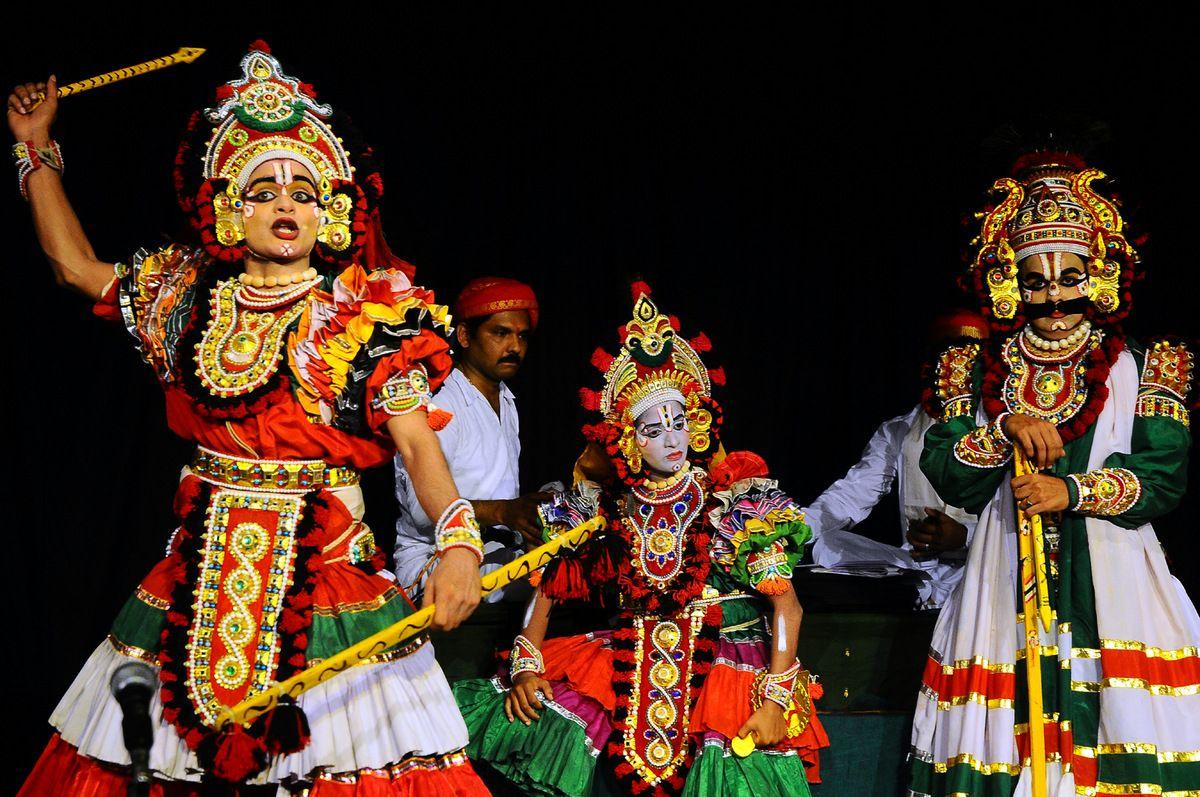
(264, 115)
(1049, 205)
(655, 364)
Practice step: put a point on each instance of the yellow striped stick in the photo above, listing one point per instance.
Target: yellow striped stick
(185, 55)
(1035, 600)
(253, 707)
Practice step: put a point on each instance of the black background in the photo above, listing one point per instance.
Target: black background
(792, 186)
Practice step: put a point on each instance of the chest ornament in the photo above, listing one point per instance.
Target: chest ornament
(659, 525)
(1047, 384)
(242, 344)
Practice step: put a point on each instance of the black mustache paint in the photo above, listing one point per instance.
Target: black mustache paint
(1069, 307)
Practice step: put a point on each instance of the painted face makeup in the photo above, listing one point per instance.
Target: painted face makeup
(661, 434)
(281, 213)
(1054, 287)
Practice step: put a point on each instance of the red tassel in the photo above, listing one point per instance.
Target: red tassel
(674, 321)
(701, 343)
(291, 621)
(438, 419)
(717, 376)
(238, 756)
(638, 289)
(258, 45)
(602, 360)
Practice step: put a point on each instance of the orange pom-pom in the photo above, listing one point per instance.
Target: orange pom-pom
(438, 419)
(773, 585)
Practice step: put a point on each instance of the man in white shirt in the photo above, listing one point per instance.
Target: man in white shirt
(481, 443)
(934, 534)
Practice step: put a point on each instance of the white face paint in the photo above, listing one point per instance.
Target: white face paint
(781, 633)
(661, 434)
(1054, 277)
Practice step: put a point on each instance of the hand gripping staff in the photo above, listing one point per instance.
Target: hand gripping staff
(251, 708)
(1035, 599)
(184, 55)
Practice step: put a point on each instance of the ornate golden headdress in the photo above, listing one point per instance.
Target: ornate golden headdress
(655, 364)
(1050, 206)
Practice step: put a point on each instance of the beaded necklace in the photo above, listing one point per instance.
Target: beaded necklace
(242, 344)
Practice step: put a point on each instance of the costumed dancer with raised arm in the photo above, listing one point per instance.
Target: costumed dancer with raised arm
(700, 549)
(294, 350)
(1066, 662)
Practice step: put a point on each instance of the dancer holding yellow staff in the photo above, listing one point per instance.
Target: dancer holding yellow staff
(1066, 661)
(294, 350)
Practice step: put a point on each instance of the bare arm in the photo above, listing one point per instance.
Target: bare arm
(454, 587)
(767, 724)
(785, 630)
(54, 221)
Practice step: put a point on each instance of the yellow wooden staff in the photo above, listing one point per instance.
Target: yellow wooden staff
(253, 707)
(184, 55)
(1035, 598)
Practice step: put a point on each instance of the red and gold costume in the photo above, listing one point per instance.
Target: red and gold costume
(285, 393)
(656, 700)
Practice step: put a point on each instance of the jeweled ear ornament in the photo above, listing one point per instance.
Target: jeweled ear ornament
(227, 207)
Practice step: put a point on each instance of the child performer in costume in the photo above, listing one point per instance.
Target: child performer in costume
(704, 648)
(1104, 423)
(295, 351)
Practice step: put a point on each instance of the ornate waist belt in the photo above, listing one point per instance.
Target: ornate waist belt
(271, 475)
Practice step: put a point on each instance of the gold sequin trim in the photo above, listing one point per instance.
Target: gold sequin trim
(447, 761)
(974, 763)
(388, 655)
(133, 652)
(153, 601)
(1149, 651)
(1160, 690)
(375, 603)
(1150, 406)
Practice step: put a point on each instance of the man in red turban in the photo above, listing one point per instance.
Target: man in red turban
(495, 317)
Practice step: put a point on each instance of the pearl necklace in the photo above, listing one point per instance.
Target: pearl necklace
(1069, 342)
(277, 280)
(249, 297)
(652, 492)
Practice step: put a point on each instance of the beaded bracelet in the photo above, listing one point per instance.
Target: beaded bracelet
(778, 686)
(457, 528)
(525, 658)
(30, 158)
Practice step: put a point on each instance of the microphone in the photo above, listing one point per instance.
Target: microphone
(133, 684)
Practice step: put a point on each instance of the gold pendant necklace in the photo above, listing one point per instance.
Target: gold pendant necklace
(241, 348)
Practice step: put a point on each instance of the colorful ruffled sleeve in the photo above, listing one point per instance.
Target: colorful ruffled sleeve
(760, 534)
(153, 296)
(1135, 488)
(373, 347)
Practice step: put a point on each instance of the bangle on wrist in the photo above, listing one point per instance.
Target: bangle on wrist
(525, 658)
(776, 687)
(29, 158)
(457, 528)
